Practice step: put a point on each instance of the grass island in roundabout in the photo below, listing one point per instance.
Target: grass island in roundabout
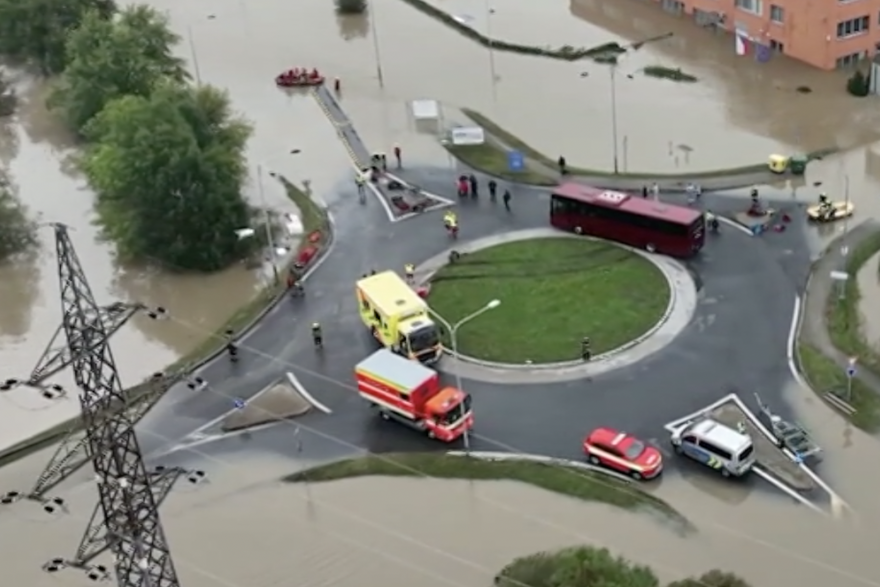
(553, 293)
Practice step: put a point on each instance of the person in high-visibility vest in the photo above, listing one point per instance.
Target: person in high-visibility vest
(410, 271)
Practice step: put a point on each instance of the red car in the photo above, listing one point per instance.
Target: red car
(623, 453)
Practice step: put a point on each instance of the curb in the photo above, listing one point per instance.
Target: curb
(470, 248)
(515, 456)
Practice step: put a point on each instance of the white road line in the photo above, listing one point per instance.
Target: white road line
(792, 342)
(787, 490)
(306, 395)
(735, 224)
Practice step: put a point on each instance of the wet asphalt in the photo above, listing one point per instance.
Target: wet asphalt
(736, 341)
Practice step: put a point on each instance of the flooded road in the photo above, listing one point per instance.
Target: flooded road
(751, 109)
(347, 533)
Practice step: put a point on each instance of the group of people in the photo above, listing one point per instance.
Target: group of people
(468, 185)
(299, 76)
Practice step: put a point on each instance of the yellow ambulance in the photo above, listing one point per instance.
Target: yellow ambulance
(397, 317)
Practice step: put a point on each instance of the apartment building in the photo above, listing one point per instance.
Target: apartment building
(827, 34)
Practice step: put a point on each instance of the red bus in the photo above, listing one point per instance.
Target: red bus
(673, 230)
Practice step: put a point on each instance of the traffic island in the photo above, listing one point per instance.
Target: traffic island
(279, 401)
(554, 292)
(558, 478)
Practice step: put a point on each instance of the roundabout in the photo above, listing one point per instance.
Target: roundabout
(554, 292)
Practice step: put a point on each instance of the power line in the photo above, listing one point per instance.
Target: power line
(126, 519)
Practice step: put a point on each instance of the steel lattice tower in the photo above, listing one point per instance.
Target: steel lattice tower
(129, 509)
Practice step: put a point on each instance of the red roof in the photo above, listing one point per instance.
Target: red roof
(628, 203)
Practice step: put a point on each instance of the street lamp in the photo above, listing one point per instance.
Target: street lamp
(612, 70)
(453, 339)
(374, 32)
(247, 232)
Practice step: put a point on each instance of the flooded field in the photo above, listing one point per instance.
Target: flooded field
(245, 528)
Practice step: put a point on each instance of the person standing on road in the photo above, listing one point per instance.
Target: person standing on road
(563, 166)
(317, 336)
(645, 192)
(231, 347)
(493, 190)
(506, 199)
(397, 155)
(655, 191)
(472, 180)
(361, 186)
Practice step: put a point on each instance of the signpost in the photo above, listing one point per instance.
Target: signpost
(515, 161)
(850, 373)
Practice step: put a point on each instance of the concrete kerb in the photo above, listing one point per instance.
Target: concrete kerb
(682, 304)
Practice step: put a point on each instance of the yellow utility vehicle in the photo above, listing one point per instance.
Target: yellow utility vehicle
(397, 317)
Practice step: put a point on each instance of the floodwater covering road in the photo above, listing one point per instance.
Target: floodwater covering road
(247, 528)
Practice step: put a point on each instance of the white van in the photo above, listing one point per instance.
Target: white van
(715, 445)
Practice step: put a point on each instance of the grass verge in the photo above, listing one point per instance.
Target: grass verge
(669, 73)
(842, 315)
(568, 481)
(494, 159)
(553, 292)
(313, 219)
(824, 375)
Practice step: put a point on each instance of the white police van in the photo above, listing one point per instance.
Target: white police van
(715, 445)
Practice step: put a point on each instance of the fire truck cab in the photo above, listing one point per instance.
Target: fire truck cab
(409, 392)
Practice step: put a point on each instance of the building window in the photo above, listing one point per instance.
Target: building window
(850, 60)
(855, 26)
(777, 13)
(777, 46)
(753, 6)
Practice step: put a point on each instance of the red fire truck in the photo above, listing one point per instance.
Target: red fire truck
(410, 393)
(644, 223)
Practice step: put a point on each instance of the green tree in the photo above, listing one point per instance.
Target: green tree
(576, 567)
(168, 170)
(858, 84)
(129, 55)
(36, 30)
(351, 6)
(17, 231)
(714, 578)
(595, 567)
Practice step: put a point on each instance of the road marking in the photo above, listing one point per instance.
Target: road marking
(306, 395)
(791, 347)
(735, 224)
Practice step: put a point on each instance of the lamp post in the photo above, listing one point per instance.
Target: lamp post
(612, 71)
(193, 54)
(489, 13)
(374, 32)
(248, 232)
(453, 339)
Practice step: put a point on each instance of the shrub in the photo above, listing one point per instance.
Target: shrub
(858, 84)
(351, 6)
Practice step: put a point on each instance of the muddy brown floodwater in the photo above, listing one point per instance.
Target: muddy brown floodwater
(247, 528)
(738, 113)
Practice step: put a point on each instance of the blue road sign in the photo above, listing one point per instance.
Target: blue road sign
(515, 161)
(238, 403)
(798, 458)
(850, 372)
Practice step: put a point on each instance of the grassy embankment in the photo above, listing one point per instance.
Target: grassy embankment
(313, 219)
(491, 158)
(569, 481)
(844, 328)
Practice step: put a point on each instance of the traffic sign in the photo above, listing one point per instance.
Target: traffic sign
(515, 161)
(851, 368)
(238, 403)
